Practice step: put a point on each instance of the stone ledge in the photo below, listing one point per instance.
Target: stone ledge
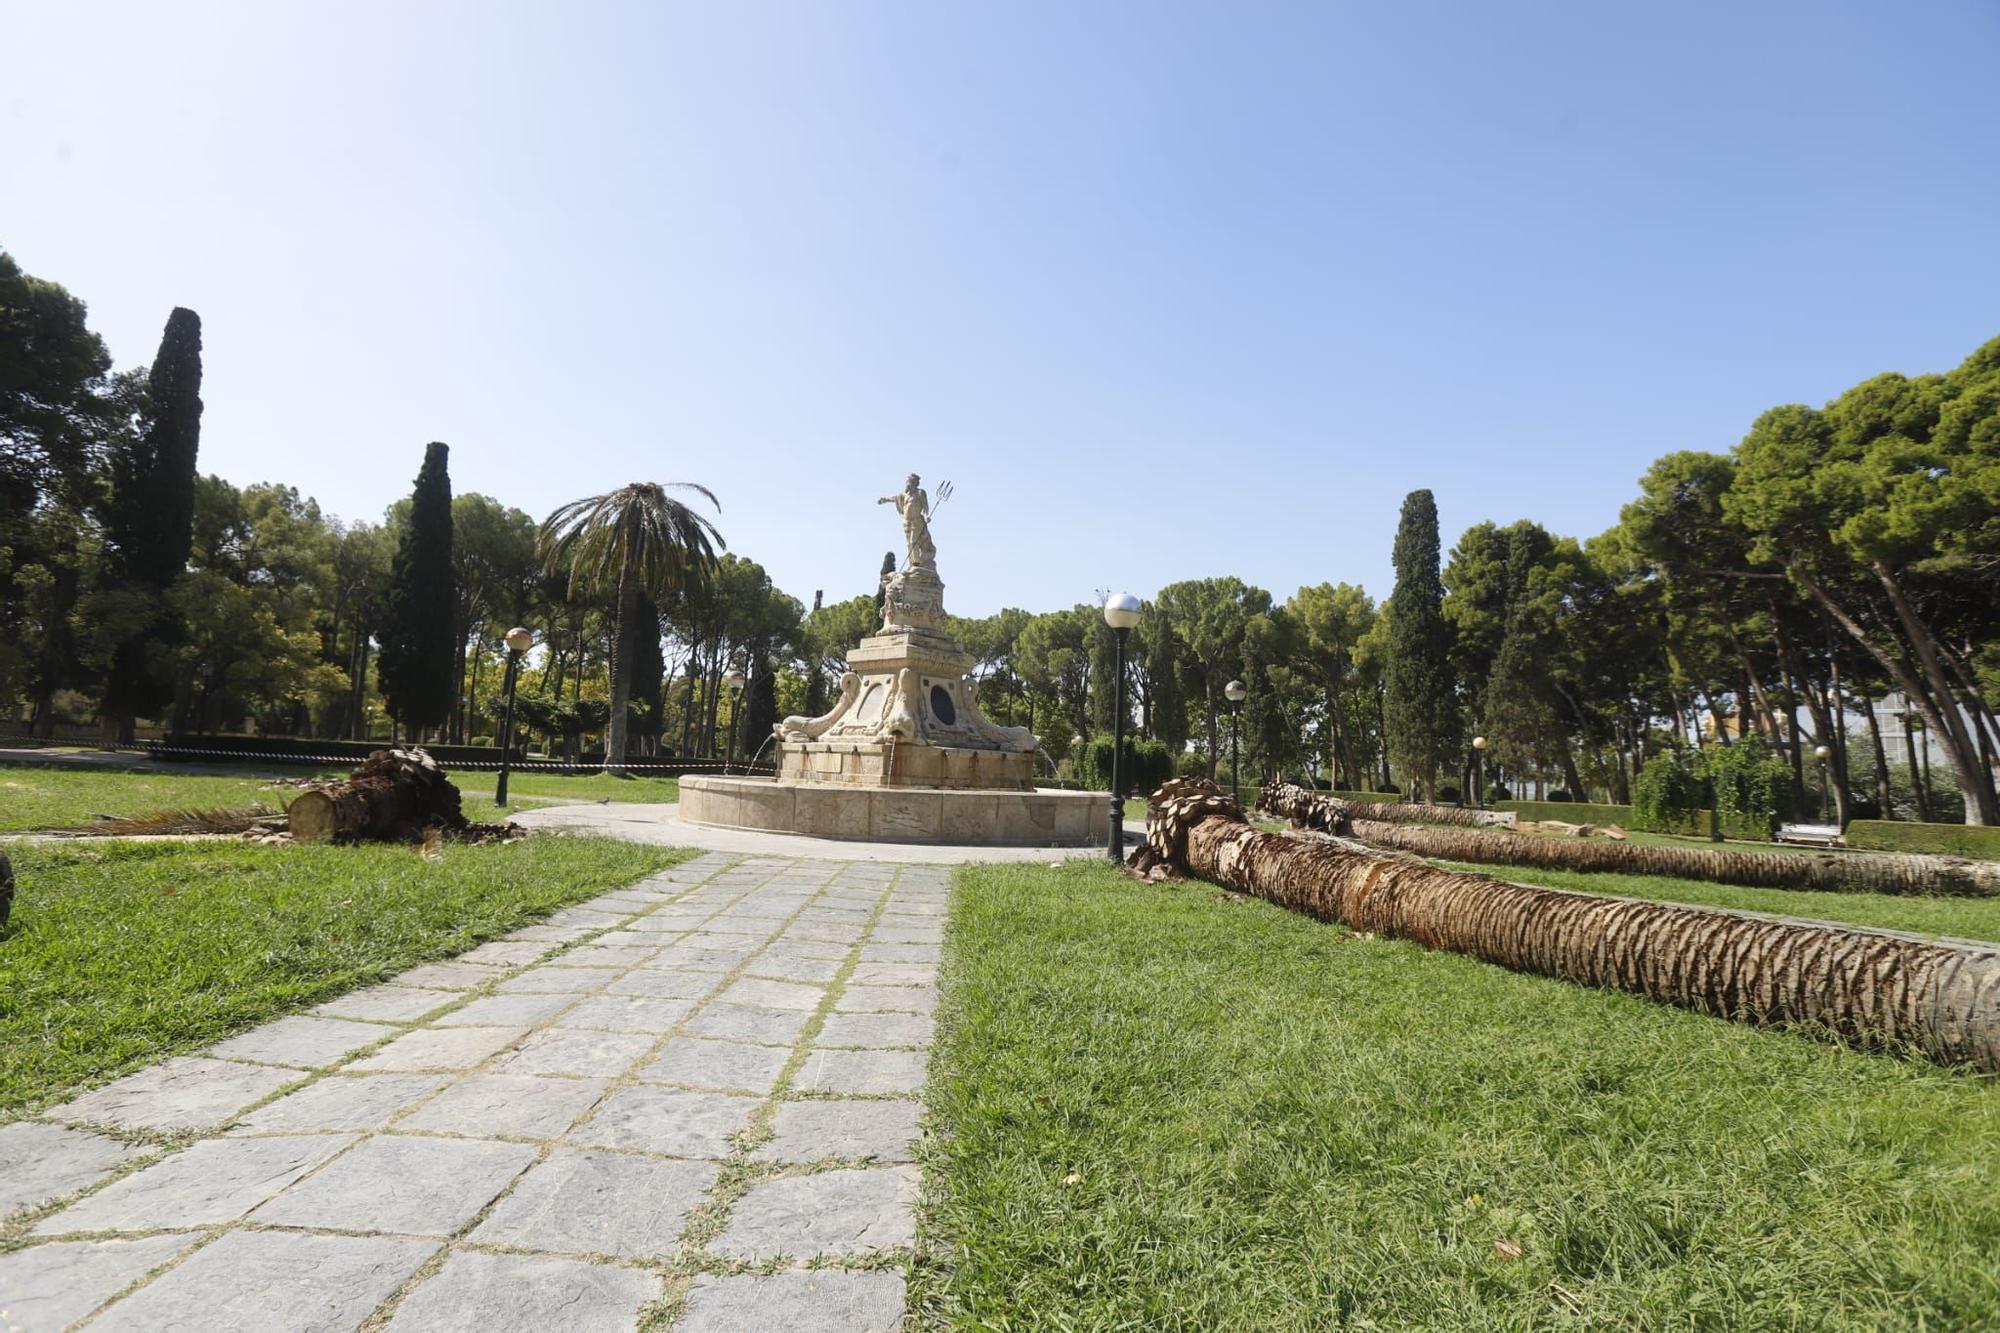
(973, 818)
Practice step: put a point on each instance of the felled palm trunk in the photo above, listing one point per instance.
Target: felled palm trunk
(1415, 812)
(395, 796)
(1879, 989)
(1830, 872)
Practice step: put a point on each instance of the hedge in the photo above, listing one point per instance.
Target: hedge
(1148, 764)
(1886, 835)
(1570, 812)
(1379, 797)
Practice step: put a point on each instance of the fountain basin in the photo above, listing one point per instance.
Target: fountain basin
(943, 816)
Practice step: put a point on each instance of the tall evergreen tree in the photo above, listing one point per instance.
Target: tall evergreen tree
(760, 708)
(149, 527)
(1418, 699)
(418, 662)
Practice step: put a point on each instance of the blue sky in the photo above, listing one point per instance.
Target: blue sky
(1166, 290)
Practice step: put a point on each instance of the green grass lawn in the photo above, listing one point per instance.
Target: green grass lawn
(1167, 1107)
(120, 953)
(35, 798)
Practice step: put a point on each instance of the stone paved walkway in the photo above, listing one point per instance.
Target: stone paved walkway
(690, 1103)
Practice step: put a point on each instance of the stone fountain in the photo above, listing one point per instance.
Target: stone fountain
(904, 754)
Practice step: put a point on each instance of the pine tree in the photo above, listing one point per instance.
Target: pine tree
(1518, 717)
(1418, 700)
(149, 525)
(418, 663)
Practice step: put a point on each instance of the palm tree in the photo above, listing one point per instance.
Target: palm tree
(633, 540)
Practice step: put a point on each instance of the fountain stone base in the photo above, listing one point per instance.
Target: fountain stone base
(972, 817)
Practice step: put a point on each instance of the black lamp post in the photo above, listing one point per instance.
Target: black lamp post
(734, 680)
(519, 640)
(1121, 612)
(1820, 755)
(1479, 771)
(1235, 690)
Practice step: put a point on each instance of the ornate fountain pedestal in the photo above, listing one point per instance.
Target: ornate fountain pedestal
(905, 755)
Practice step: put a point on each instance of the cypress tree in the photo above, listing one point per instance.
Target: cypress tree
(760, 709)
(418, 662)
(149, 522)
(1417, 699)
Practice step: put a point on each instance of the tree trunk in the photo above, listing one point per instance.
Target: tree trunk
(1884, 793)
(621, 668)
(1981, 804)
(395, 796)
(1881, 990)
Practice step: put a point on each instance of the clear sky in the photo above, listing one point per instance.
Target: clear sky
(1166, 290)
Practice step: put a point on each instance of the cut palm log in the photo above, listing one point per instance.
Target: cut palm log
(395, 796)
(1828, 872)
(1880, 989)
(1402, 812)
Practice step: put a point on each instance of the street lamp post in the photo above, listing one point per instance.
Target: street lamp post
(734, 680)
(1479, 771)
(519, 640)
(1820, 755)
(1235, 690)
(1121, 612)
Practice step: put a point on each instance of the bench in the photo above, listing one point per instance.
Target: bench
(1812, 835)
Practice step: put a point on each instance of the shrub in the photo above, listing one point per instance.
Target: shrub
(1561, 796)
(1190, 765)
(1666, 796)
(1571, 812)
(1147, 764)
(1447, 794)
(1751, 786)
(1940, 839)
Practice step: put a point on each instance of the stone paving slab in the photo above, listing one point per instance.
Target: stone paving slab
(42, 1162)
(485, 1293)
(589, 1201)
(567, 1051)
(668, 1121)
(884, 1029)
(718, 1064)
(810, 1131)
(858, 999)
(415, 1186)
(446, 976)
(808, 1302)
(744, 1022)
(52, 1286)
(626, 1013)
(506, 1106)
(387, 1004)
(189, 1092)
(832, 1212)
(360, 1101)
(862, 1071)
(506, 1011)
(260, 1281)
(440, 1048)
(301, 1041)
(215, 1181)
